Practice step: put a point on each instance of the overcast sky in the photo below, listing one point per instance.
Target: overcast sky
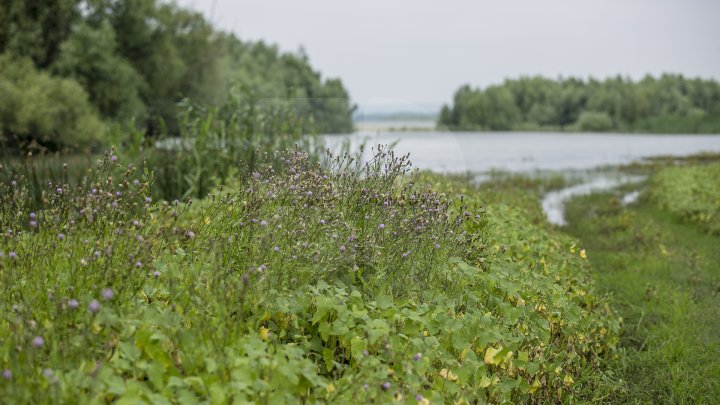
(415, 53)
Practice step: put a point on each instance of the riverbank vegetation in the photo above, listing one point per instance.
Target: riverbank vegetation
(71, 70)
(659, 264)
(317, 278)
(666, 104)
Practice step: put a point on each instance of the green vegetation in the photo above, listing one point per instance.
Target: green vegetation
(692, 193)
(668, 104)
(661, 269)
(315, 279)
(68, 66)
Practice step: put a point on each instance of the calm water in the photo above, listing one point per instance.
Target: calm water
(526, 151)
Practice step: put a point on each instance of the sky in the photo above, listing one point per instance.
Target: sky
(413, 54)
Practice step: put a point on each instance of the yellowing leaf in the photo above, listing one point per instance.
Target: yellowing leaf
(491, 355)
(330, 388)
(485, 382)
(264, 333)
(535, 385)
(448, 375)
(583, 255)
(568, 380)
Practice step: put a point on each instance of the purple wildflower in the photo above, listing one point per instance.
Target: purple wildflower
(417, 356)
(108, 294)
(73, 303)
(48, 373)
(12, 255)
(7, 374)
(156, 274)
(263, 223)
(136, 182)
(385, 386)
(38, 341)
(58, 190)
(419, 397)
(138, 264)
(33, 224)
(114, 158)
(61, 236)
(94, 306)
(277, 249)
(322, 222)
(136, 223)
(382, 226)
(33, 215)
(343, 248)
(366, 386)
(148, 200)
(309, 193)
(119, 193)
(94, 191)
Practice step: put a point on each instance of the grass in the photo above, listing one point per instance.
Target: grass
(663, 275)
(337, 282)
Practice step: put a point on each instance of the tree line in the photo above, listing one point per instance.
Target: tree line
(69, 69)
(666, 104)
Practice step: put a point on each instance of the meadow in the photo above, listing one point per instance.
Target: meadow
(316, 279)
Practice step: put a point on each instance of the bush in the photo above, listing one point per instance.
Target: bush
(594, 121)
(692, 193)
(38, 107)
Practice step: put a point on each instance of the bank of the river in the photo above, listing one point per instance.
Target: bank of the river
(664, 278)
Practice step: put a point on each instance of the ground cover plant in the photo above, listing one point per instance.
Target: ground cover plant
(692, 193)
(319, 279)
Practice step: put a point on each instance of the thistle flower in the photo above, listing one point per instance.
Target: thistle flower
(156, 274)
(138, 264)
(61, 236)
(113, 158)
(385, 386)
(73, 303)
(12, 255)
(263, 223)
(32, 215)
(381, 226)
(38, 341)
(94, 306)
(108, 294)
(148, 200)
(59, 190)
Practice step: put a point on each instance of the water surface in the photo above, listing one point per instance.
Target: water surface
(518, 152)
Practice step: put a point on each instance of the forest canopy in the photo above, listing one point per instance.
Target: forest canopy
(667, 104)
(70, 68)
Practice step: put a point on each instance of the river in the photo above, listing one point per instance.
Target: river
(533, 152)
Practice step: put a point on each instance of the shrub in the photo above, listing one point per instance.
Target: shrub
(594, 121)
(38, 107)
(693, 193)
